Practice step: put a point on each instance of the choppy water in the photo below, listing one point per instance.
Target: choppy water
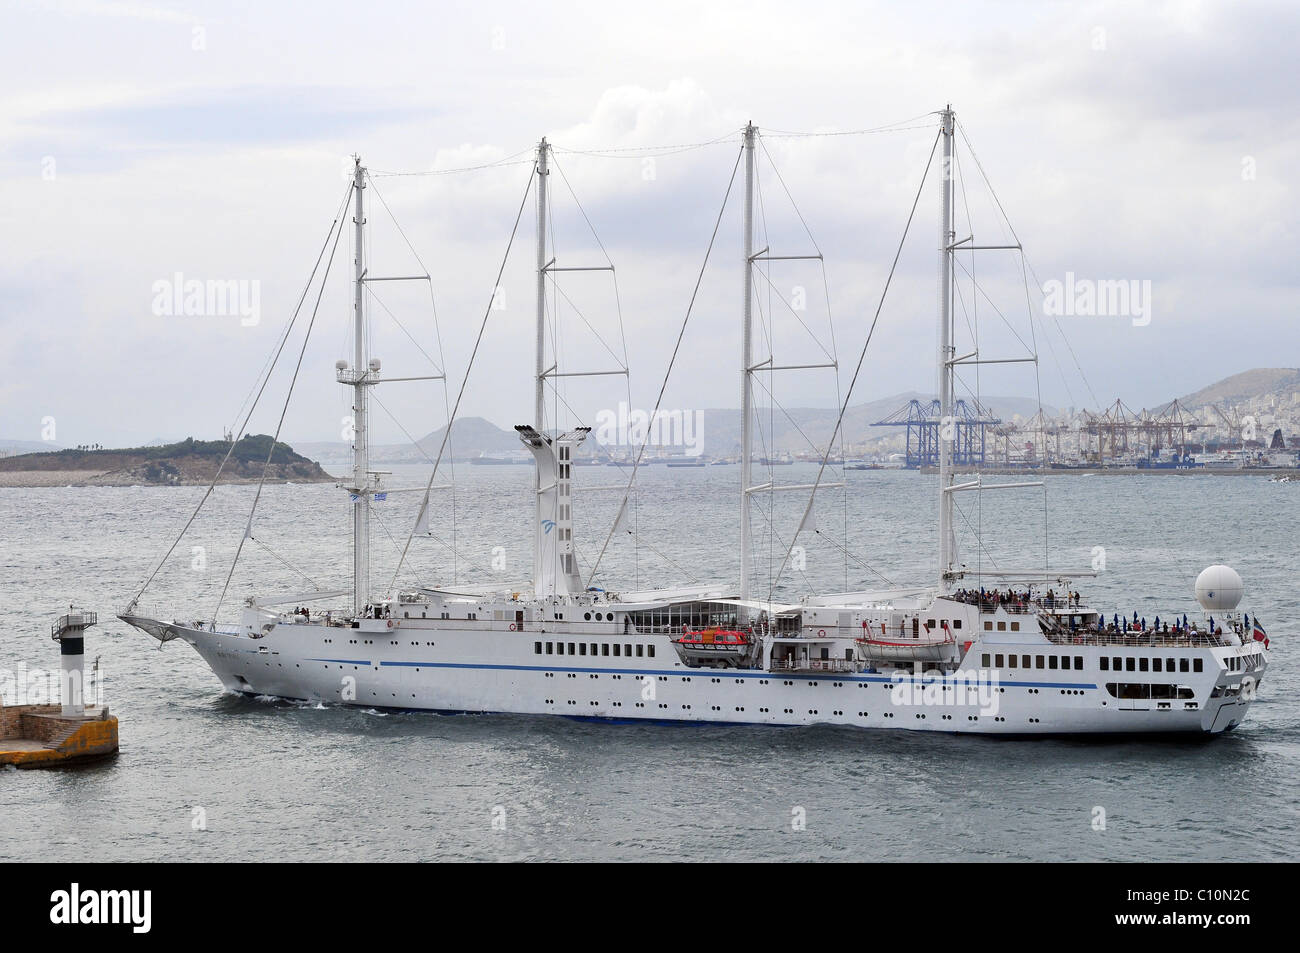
(272, 780)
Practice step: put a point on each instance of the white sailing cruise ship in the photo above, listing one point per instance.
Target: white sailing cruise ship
(1010, 653)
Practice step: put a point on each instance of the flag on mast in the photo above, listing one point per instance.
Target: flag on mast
(1259, 633)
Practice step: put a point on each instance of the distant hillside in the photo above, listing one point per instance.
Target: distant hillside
(1260, 382)
(469, 437)
(472, 436)
(10, 448)
(187, 462)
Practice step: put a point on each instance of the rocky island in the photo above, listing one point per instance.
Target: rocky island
(187, 463)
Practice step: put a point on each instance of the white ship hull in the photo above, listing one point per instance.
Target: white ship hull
(417, 665)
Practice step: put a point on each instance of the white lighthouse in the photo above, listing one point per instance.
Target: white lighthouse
(70, 633)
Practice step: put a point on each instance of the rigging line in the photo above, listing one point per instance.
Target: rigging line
(993, 192)
(972, 322)
(406, 433)
(617, 298)
(634, 152)
(424, 504)
(673, 360)
(370, 291)
(978, 541)
(786, 189)
(266, 379)
(284, 562)
(596, 334)
(288, 324)
(767, 321)
(888, 127)
(777, 538)
(852, 132)
(849, 555)
(248, 527)
(793, 423)
(499, 164)
(440, 364)
(1042, 418)
(980, 288)
(415, 580)
(870, 333)
(581, 210)
(781, 297)
(398, 225)
(446, 409)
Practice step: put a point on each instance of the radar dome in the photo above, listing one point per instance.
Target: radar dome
(1218, 589)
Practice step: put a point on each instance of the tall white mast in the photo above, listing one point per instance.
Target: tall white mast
(746, 370)
(360, 442)
(543, 173)
(947, 426)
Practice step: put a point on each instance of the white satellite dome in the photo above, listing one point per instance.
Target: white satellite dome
(1219, 589)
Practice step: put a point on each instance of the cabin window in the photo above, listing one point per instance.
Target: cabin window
(1169, 665)
(1182, 665)
(650, 651)
(1156, 664)
(988, 626)
(571, 652)
(1038, 661)
(1130, 665)
(550, 648)
(956, 623)
(559, 648)
(984, 661)
(1078, 663)
(1052, 662)
(582, 648)
(1142, 664)
(587, 616)
(595, 649)
(1104, 662)
(604, 649)
(1065, 661)
(537, 648)
(1196, 665)
(627, 650)
(1117, 663)
(1002, 626)
(999, 661)
(1015, 626)
(638, 651)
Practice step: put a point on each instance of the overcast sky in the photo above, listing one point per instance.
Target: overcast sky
(138, 141)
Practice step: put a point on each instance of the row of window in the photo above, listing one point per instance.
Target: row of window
(1106, 663)
(593, 648)
(1142, 690)
(1125, 664)
(1032, 661)
(1002, 626)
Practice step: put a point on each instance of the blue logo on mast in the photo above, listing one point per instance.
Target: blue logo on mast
(548, 525)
